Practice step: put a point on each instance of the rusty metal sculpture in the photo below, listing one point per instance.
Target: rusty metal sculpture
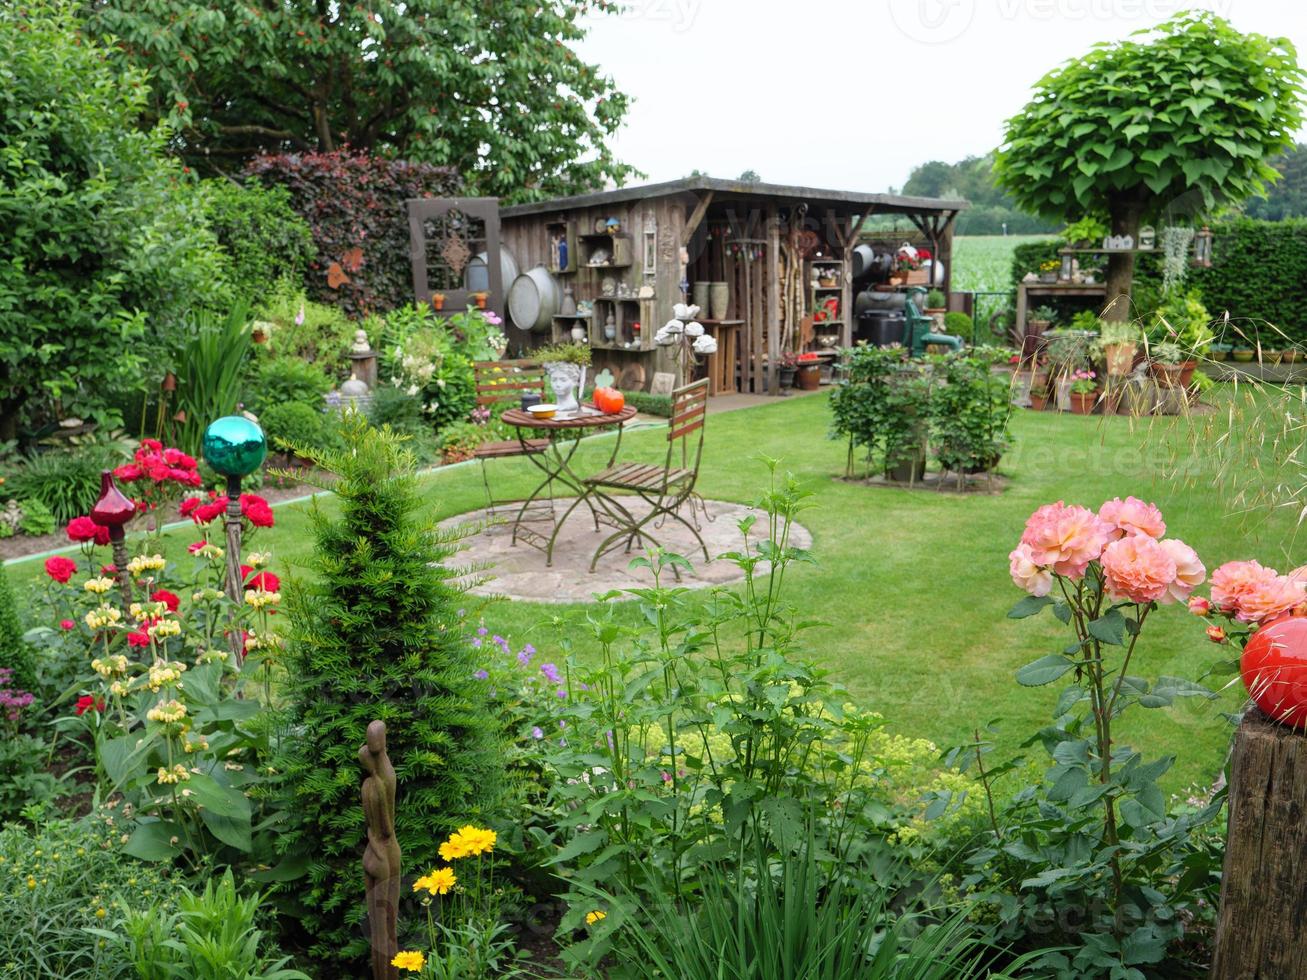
(381, 860)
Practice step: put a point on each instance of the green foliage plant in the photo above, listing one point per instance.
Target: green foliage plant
(282, 379)
(37, 517)
(66, 481)
(264, 239)
(1188, 111)
(959, 324)
(1092, 855)
(1183, 320)
(373, 635)
(62, 879)
(1255, 265)
(969, 409)
(881, 407)
(316, 333)
(298, 424)
(211, 935)
(566, 353)
(210, 366)
(103, 250)
(15, 652)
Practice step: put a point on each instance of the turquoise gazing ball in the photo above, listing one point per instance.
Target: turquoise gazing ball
(235, 446)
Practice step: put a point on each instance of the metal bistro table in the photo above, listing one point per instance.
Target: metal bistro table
(565, 434)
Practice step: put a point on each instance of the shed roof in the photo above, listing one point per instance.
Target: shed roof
(874, 203)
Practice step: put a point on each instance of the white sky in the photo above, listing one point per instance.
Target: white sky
(851, 94)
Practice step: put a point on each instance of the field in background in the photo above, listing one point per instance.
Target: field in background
(983, 263)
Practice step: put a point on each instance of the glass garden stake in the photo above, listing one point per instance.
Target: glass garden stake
(113, 510)
(234, 446)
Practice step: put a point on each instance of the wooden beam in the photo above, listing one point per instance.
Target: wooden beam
(773, 301)
(696, 218)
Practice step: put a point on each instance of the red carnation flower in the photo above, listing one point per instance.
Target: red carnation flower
(195, 547)
(266, 581)
(138, 638)
(66, 624)
(256, 510)
(169, 599)
(85, 529)
(153, 444)
(88, 703)
(110, 569)
(128, 472)
(188, 505)
(60, 569)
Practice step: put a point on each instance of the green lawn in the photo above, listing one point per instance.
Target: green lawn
(914, 585)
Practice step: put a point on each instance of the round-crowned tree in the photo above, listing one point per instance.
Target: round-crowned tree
(374, 632)
(1176, 120)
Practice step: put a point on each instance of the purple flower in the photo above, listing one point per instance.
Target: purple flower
(476, 641)
(492, 318)
(562, 694)
(537, 732)
(482, 631)
(481, 675)
(550, 672)
(523, 658)
(299, 317)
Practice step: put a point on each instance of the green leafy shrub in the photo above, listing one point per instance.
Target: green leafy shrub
(969, 410)
(959, 324)
(282, 379)
(649, 404)
(881, 408)
(67, 483)
(212, 935)
(317, 333)
(265, 240)
(209, 368)
(299, 425)
(37, 517)
(1028, 256)
(102, 253)
(374, 635)
(355, 201)
(62, 879)
(24, 780)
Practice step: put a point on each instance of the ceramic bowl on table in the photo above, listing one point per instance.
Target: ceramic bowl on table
(545, 410)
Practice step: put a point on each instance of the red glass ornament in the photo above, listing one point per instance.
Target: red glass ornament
(113, 509)
(1274, 669)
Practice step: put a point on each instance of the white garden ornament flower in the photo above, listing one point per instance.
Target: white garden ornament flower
(705, 345)
(694, 329)
(684, 311)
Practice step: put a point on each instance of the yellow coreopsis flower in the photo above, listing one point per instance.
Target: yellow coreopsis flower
(411, 960)
(598, 915)
(439, 882)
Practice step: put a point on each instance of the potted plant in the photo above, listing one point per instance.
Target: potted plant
(1166, 364)
(1048, 270)
(565, 365)
(789, 365)
(1118, 343)
(1289, 355)
(438, 301)
(1039, 394)
(1242, 353)
(808, 371)
(1084, 392)
(1040, 319)
(1219, 352)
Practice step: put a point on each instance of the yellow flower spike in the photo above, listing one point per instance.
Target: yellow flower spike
(411, 960)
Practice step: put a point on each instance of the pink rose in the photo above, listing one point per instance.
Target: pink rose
(1269, 599)
(1132, 516)
(1067, 538)
(1138, 568)
(1026, 574)
(1189, 571)
(1234, 580)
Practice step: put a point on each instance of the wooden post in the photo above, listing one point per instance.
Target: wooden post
(381, 859)
(773, 301)
(1264, 884)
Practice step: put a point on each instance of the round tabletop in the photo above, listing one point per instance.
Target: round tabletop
(525, 420)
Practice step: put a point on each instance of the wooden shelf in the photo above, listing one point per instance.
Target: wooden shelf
(1106, 251)
(573, 316)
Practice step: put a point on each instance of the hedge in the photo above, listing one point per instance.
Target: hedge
(353, 201)
(1257, 275)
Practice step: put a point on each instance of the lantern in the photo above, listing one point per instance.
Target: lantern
(1203, 247)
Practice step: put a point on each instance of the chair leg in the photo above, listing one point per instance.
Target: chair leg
(674, 512)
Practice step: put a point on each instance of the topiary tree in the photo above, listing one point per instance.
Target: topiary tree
(1180, 119)
(375, 633)
(101, 247)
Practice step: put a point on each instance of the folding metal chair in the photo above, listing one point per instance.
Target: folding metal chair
(499, 383)
(666, 488)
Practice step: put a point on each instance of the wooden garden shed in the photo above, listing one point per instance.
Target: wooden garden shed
(773, 267)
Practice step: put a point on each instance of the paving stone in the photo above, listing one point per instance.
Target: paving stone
(519, 571)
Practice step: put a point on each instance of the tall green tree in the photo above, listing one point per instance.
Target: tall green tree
(102, 247)
(1175, 120)
(491, 87)
(374, 632)
(991, 210)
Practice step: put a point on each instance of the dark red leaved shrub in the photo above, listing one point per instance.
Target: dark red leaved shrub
(354, 205)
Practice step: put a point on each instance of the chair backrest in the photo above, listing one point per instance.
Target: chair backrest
(498, 382)
(689, 407)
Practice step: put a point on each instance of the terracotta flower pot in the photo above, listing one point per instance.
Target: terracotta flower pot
(1187, 372)
(438, 303)
(1120, 358)
(1038, 401)
(808, 376)
(1083, 404)
(1167, 375)
(481, 300)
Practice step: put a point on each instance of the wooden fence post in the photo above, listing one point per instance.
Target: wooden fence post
(381, 860)
(1260, 932)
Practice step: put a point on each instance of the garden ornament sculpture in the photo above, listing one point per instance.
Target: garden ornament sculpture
(113, 510)
(381, 859)
(918, 329)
